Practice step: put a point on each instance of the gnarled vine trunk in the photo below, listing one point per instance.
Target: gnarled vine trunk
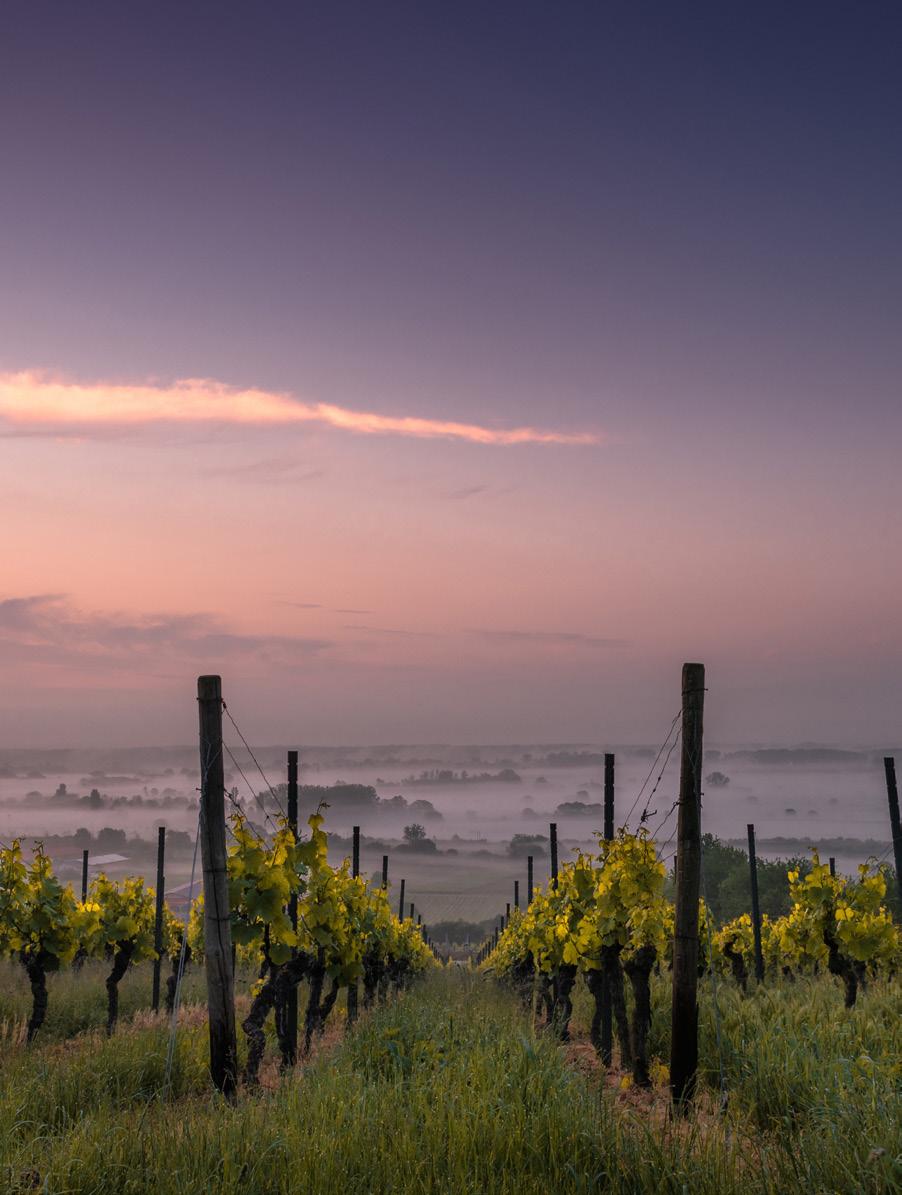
(288, 978)
(253, 1023)
(563, 1000)
(737, 963)
(317, 975)
(596, 985)
(546, 996)
(122, 956)
(839, 964)
(638, 971)
(372, 973)
(36, 969)
(612, 975)
(173, 977)
(326, 1007)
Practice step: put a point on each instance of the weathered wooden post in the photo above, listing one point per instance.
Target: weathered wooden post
(355, 872)
(411, 910)
(517, 895)
(401, 902)
(552, 833)
(892, 795)
(684, 1006)
(84, 876)
(756, 906)
(507, 915)
(217, 924)
(606, 1027)
(528, 880)
(291, 1000)
(385, 872)
(832, 865)
(158, 920)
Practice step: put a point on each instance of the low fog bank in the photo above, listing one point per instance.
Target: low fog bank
(481, 809)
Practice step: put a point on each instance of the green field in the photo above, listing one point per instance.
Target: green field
(449, 1088)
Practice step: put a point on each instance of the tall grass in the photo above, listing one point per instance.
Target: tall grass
(450, 1089)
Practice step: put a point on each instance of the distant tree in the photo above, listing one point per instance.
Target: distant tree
(111, 839)
(414, 832)
(727, 882)
(458, 933)
(578, 809)
(424, 809)
(717, 779)
(522, 845)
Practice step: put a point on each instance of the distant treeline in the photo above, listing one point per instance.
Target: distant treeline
(858, 848)
(348, 798)
(448, 776)
(112, 840)
(63, 799)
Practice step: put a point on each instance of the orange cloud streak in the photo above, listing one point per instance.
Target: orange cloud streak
(31, 399)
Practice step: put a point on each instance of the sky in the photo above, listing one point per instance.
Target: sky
(450, 372)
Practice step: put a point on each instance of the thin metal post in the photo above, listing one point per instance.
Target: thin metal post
(291, 1002)
(756, 906)
(158, 920)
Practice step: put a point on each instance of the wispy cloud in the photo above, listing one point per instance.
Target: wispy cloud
(280, 469)
(48, 629)
(346, 610)
(469, 491)
(35, 401)
(300, 605)
(390, 631)
(572, 638)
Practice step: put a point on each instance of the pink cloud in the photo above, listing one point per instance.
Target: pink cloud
(33, 400)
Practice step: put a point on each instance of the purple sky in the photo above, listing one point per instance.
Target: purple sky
(675, 231)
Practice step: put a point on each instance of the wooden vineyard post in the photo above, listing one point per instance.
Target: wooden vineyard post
(411, 910)
(756, 905)
(684, 1006)
(217, 924)
(528, 880)
(291, 1000)
(507, 915)
(385, 872)
(552, 834)
(401, 903)
(158, 920)
(84, 876)
(419, 920)
(606, 1028)
(832, 864)
(517, 895)
(355, 872)
(892, 795)
(608, 796)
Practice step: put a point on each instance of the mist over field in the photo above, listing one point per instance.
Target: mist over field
(470, 801)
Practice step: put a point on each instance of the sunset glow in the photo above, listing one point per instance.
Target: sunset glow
(449, 375)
